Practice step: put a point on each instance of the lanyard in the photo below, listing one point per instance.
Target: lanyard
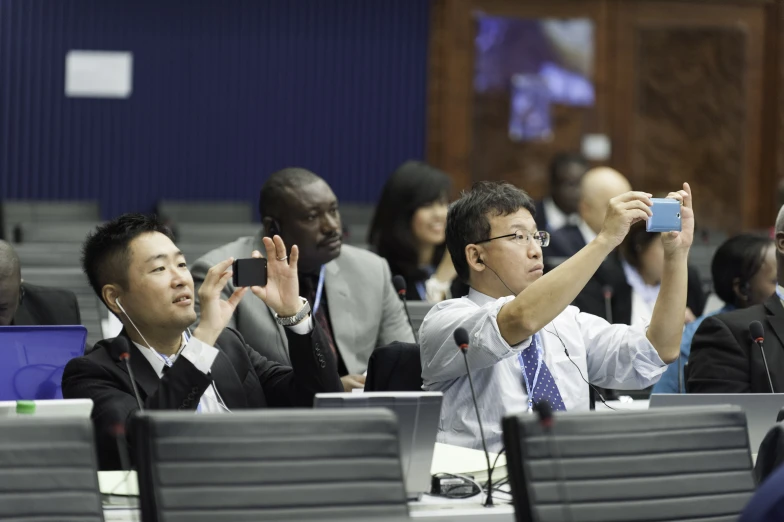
(319, 289)
(421, 290)
(531, 387)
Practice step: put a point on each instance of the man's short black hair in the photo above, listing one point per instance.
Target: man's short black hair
(106, 253)
(273, 193)
(467, 221)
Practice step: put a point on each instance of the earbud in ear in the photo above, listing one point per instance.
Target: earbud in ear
(119, 305)
(479, 260)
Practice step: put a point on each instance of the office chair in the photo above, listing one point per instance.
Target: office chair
(269, 465)
(673, 464)
(48, 470)
(394, 367)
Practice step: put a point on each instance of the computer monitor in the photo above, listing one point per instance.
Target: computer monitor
(417, 413)
(761, 409)
(32, 359)
(53, 408)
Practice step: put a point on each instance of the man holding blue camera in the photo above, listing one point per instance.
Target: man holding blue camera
(527, 344)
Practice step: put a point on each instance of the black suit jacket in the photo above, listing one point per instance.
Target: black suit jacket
(244, 379)
(395, 367)
(611, 278)
(540, 217)
(43, 306)
(724, 359)
(564, 243)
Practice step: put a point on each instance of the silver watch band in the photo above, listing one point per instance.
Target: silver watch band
(298, 317)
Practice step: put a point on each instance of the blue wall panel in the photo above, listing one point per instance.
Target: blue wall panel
(224, 93)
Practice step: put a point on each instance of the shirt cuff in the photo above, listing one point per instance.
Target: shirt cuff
(303, 327)
(200, 354)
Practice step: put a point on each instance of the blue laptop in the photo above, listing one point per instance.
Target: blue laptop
(32, 359)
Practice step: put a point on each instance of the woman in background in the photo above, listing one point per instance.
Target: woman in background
(642, 259)
(409, 230)
(744, 274)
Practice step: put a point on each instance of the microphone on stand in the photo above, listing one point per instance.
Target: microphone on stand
(400, 287)
(461, 339)
(117, 431)
(758, 336)
(125, 356)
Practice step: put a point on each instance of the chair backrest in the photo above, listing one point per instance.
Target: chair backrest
(394, 367)
(14, 212)
(770, 454)
(48, 470)
(206, 211)
(35, 255)
(50, 232)
(418, 310)
(215, 234)
(269, 465)
(356, 214)
(673, 464)
(74, 280)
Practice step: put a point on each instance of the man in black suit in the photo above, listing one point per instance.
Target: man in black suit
(725, 359)
(23, 304)
(560, 207)
(597, 187)
(142, 277)
(608, 294)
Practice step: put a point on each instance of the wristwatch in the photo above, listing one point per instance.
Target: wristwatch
(295, 319)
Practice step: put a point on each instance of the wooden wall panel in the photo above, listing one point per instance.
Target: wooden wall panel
(686, 90)
(689, 86)
(495, 156)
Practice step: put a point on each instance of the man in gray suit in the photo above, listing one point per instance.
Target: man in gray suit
(349, 289)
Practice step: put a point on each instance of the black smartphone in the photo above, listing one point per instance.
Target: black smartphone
(249, 272)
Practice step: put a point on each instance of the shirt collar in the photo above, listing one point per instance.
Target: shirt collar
(155, 359)
(555, 216)
(588, 234)
(482, 299)
(649, 293)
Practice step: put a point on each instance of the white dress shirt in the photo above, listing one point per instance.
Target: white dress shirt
(611, 356)
(587, 232)
(556, 218)
(643, 295)
(202, 356)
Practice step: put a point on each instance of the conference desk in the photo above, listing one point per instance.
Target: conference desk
(446, 459)
(442, 511)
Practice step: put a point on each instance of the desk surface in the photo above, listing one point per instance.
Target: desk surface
(431, 509)
(441, 511)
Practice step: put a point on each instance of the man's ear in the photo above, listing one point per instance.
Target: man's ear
(110, 294)
(474, 256)
(780, 242)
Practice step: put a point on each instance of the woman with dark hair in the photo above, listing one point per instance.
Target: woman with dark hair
(642, 259)
(409, 230)
(744, 274)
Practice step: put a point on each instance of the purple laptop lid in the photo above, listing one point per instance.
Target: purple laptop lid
(32, 359)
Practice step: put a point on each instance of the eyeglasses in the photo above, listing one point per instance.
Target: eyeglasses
(523, 238)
